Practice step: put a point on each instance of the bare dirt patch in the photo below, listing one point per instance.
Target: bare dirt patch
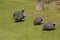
(55, 2)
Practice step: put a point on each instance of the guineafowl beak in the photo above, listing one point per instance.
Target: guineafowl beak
(54, 23)
(22, 10)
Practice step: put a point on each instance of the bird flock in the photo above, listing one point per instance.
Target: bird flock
(19, 16)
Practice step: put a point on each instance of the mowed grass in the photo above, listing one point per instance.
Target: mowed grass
(26, 30)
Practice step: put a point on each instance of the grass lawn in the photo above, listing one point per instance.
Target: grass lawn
(26, 30)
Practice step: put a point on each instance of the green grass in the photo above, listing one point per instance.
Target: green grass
(26, 30)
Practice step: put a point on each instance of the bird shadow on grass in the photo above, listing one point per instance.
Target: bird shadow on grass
(48, 30)
(19, 21)
(38, 24)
